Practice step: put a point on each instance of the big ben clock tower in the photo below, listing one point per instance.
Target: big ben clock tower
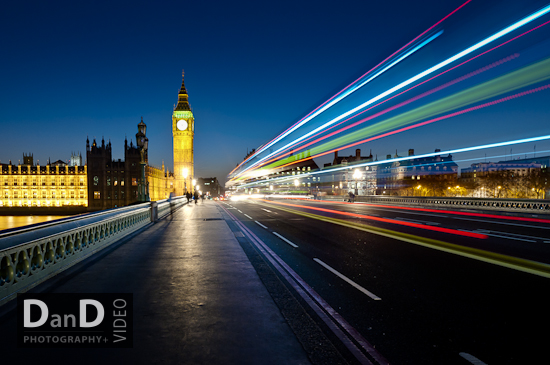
(183, 131)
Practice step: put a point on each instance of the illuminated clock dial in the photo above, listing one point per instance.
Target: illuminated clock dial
(182, 125)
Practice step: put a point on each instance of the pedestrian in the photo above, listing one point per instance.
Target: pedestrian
(188, 196)
(196, 197)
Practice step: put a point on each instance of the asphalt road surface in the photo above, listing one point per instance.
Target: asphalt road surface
(421, 286)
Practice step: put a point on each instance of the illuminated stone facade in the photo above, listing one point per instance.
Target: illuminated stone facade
(183, 131)
(161, 182)
(31, 185)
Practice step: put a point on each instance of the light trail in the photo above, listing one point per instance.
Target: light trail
(417, 77)
(405, 158)
(262, 148)
(417, 85)
(421, 124)
(384, 220)
(406, 102)
(351, 91)
(442, 211)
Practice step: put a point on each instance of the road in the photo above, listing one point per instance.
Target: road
(421, 286)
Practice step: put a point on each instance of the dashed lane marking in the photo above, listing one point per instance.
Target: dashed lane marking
(284, 239)
(472, 359)
(261, 225)
(346, 279)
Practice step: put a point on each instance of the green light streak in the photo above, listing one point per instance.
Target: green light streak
(515, 80)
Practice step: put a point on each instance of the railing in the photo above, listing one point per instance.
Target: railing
(510, 205)
(28, 264)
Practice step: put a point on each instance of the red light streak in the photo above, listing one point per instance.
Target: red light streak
(385, 220)
(479, 215)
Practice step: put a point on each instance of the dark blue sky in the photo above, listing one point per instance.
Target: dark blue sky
(73, 69)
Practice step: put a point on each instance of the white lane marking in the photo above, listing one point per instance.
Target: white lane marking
(346, 279)
(239, 211)
(261, 225)
(269, 211)
(472, 359)
(284, 239)
(508, 237)
(339, 326)
(497, 222)
(246, 215)
(513, 234)
(416, 221)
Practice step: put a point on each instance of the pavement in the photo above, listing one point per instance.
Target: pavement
(197, 298)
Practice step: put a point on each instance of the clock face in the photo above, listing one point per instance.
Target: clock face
(182, 125)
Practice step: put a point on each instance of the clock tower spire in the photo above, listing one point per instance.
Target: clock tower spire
(183, 132)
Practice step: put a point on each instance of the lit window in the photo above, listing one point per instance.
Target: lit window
(97, 195)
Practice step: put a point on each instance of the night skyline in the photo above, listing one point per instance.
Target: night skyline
(251, 71)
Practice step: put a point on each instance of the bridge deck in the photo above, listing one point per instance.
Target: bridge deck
(197, 298)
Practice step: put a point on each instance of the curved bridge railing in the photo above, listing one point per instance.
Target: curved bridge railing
(28, 264)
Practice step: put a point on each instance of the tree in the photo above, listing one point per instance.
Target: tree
(536, 180)
(497, 183)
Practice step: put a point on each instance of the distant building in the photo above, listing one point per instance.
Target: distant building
(396, 177)
(360, 180)
(481, 170)
(117, 183)
(51, 185)
(209, 186)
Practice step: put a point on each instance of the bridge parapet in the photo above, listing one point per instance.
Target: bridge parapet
(27, 264)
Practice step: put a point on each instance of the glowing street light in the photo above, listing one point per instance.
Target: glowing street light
(296, 183)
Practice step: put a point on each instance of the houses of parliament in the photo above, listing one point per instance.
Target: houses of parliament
(101, 182)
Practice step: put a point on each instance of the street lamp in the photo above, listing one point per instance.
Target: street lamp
(296, 183)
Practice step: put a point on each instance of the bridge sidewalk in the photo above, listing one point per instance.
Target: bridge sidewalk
(197, 299)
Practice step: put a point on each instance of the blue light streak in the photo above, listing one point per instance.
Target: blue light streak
(430, 70)
(349, 92)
